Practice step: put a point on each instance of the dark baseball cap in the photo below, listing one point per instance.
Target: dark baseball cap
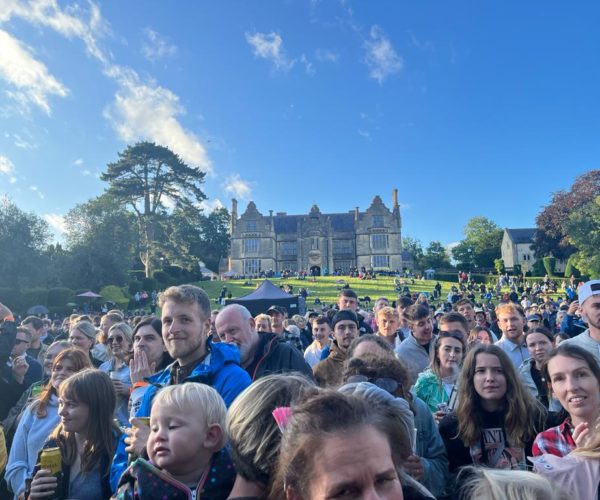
(276, 310)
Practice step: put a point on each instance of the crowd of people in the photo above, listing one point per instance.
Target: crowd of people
(408, 400)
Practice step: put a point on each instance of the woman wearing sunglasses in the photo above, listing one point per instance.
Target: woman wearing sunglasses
(437, 385)
(120, 346)
(428, 464)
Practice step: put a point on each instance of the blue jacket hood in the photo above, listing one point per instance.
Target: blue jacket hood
(221, 354)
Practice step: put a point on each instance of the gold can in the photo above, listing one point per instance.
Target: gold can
(51, 460)
(144, 420)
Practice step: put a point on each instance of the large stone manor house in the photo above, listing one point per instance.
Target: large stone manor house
(316, 242)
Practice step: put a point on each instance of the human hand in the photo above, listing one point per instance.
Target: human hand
(439, 415)
(573, 307)
(4, 311)
(139, 368)
(137, 437)
(581, 434)
(414, 467)
(43, 484)
(120, 388)
(19, 368)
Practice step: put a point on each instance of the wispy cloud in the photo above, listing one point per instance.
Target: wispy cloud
(381, 58)
(37, 191)
(237, 187)
(29, 81)
(142, 109)
(78, 162)
(156, 46)
(325, 55)
(308, 65)
(211, 205)
(269, 46)
(56, 222)
(148, 111)
(86, 172)
(19, 141)
(7, 168)
(366, 135)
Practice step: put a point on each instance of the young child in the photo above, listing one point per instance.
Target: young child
(186, 449)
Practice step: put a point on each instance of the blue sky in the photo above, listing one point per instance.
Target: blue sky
(468, 108)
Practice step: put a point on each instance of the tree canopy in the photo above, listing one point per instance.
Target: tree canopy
(481, 244)
(553, 234)
(583, 229)
(23, 239)
(148, 178)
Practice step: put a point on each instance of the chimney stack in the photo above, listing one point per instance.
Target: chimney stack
(356, 214)
(234, 215)
(394, 198)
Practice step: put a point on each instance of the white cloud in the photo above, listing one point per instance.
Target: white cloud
(308, 66)
(210, 205)
(381, 58)
(23, 143)
(86, 172)
(141, 110)
(325, 55)
(269, 46)
(29, 80)
(365, 134)
(237, 187)
(78, 162)
(149, 111)
(37, 191)
(157, 46)
(68, 22)
(56, 222)
(7, 168)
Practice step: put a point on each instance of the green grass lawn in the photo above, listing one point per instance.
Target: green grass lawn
(326, 287)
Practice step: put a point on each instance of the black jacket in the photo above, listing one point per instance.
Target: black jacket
(274, 355)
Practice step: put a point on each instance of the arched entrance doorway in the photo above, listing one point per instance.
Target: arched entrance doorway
(315, 271)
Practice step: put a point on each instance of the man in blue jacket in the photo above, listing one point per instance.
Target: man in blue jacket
(185, 330)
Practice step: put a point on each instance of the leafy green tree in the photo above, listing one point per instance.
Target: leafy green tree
(23, 239)
(102, 240)
(415, 248)
(553, 235)
(192, 237)
(481, 245)
(146, 178)
(583, 230)
(436, 256)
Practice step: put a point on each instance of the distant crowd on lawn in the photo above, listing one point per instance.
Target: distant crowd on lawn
(491, 391)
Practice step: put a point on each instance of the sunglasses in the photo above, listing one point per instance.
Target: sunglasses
(453, 334)
(21, 341)
(387, 384)
(118, 339)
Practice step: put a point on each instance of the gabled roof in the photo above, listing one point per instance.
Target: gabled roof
(520, 236)
(286, 224)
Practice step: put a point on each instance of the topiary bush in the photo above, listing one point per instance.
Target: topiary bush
(549, 265)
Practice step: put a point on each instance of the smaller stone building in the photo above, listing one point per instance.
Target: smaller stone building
(316, 242)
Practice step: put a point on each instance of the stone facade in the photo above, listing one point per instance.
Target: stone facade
(316, 242)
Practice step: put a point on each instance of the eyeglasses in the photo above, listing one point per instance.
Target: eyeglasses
(118, 339)
(21, 341)
(387, 384)
(453, 334)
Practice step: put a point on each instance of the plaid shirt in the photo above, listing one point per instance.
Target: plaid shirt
(555, 441)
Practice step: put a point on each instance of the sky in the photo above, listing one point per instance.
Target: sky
(468, 108)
